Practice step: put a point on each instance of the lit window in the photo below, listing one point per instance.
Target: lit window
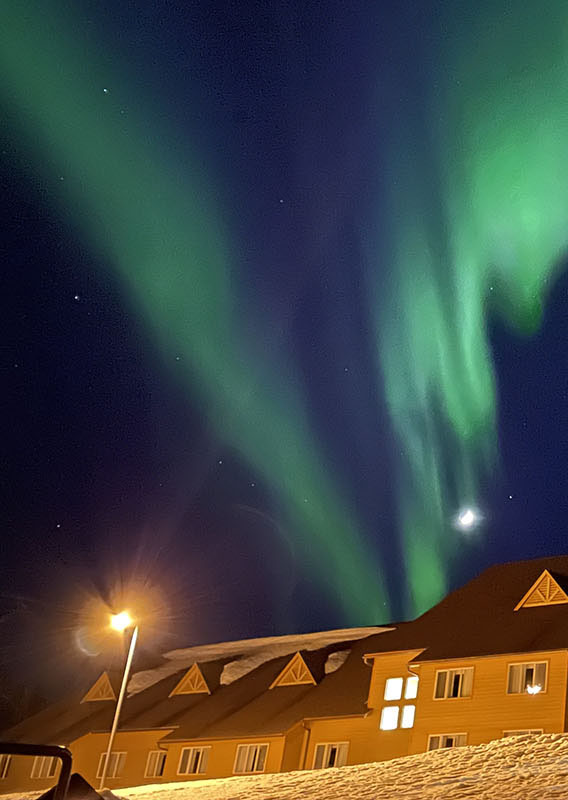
(453, 683)
(407, 718)
(442, 740)
(44, 767)
(330, 755)
(115, 765)
(393, 688)
(532, 732)
(155, 764)
(193, 760)
(411, 688)
(389, 718)
(529, 677)
(250, 758)
(4, 765)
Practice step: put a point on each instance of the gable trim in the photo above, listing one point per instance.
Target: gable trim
(100, 690)
(545, 591)
(192, 682)
(295, 673)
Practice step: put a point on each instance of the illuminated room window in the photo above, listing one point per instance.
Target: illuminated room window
(330, 754)
(250, 758)
(407, 717)
(389, 718)
(531, 732)
(441, 740)
(393, 688)
(453, 683)
(44, 767)
(155, 764)
(529, 677)
(193, 760)
(115, 765)
(4, 765)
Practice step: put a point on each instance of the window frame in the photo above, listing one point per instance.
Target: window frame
(5, 761)
(38, 774)
(441, 736)
(511, 664)
(204, 752)
(449, 671)
(326, 746)
(157, 753)
(119, 764)
(248, 746)
(524, 732)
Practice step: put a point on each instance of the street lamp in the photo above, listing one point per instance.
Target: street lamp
(120, 622)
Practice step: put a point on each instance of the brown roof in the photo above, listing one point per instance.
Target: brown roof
(479, 619)
(249, 707)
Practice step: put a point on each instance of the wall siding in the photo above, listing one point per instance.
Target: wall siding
(490, 710)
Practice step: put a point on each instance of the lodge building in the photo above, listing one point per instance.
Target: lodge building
(489, 660)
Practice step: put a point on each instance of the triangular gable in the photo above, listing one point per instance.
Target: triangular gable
(294, 673)
(545, 591)
(192, 682)
(100, 690)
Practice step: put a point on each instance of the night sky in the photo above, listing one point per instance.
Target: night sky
(283, 292)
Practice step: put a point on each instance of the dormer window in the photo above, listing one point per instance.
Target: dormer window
(545, 591)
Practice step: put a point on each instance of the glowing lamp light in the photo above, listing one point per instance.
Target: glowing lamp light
(534, 689)
(121, 621)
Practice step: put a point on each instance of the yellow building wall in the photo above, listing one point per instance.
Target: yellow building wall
(19, 777)
(367, 742)
(222, 756)
(490, 710)
(136, 744)
(293, 748)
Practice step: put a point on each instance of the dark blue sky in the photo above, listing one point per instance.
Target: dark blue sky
(109, 467)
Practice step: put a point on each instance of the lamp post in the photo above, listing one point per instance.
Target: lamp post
(119, 622)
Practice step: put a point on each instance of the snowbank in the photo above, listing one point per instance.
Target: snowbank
(515, 768)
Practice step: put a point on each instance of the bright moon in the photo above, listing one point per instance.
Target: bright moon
(467, 519)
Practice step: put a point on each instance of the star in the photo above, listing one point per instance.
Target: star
(76, 297)
(105, 90)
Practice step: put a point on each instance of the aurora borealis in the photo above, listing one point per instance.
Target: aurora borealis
(494, 141)
(321, 243)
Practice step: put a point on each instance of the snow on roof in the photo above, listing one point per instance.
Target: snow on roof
(335, 660)
(245, 655)
(527, 767)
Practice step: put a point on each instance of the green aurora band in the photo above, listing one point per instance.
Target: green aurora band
(143, 204)
(477, 226)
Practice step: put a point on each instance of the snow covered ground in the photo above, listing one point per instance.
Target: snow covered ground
(515, 768)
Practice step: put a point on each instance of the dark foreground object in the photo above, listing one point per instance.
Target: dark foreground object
(79, 789)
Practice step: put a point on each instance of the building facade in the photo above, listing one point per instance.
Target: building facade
(489, 660)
